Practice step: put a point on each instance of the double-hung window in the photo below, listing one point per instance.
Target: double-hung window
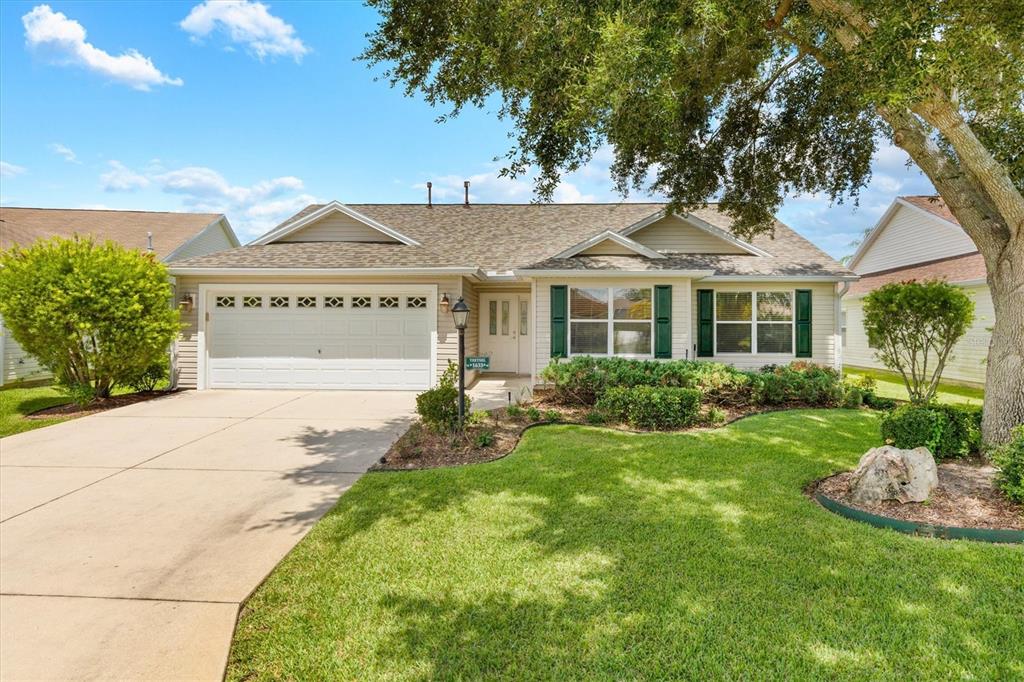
(754, 322)
(611, 321)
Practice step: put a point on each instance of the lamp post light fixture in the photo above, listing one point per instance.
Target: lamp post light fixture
(460, 313)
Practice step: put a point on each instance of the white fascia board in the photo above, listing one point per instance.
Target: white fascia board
(220, 223)
(616, 237)
(318, 272)
(782, 278)
(326, 209)
(873, 234)
(700, 225)
(618, 274)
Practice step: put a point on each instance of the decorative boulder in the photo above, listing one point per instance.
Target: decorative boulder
(889, 473)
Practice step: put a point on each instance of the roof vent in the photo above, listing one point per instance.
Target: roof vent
(430, 202)
(149, 241)
(466, 185)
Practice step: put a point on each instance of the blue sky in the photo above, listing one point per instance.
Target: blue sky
(258, 109)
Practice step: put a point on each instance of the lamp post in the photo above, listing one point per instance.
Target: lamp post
(460, 312)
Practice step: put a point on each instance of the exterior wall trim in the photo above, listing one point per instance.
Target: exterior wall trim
(221, 222)
(616, 237)
(700, 225)
(327, 209)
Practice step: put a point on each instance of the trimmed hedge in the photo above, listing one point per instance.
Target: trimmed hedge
(652, 407)
(799, 382)
(1010, 460)
(947, 430)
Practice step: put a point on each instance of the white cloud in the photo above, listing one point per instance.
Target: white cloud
(9, 170)
(63, 151)
(248, 23)
(120, 178)
(65, 39)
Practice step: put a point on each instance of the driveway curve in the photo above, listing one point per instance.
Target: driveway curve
(128, 539)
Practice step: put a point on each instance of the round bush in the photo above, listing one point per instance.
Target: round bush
(946, 430)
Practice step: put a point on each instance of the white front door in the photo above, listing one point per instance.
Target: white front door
(505, 334)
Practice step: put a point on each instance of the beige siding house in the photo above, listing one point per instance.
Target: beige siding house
(918, 238)
(170, 236)
(359, 295)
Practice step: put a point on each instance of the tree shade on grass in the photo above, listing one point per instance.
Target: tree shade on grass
(890, 385)
(15, 403)
(591, 554)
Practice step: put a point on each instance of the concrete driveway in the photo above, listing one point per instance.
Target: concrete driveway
(128, 539)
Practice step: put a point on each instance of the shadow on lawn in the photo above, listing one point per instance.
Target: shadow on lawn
(655, 556)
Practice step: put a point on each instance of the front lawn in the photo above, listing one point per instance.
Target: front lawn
(589, 553)
(15, 403)
(890, 385)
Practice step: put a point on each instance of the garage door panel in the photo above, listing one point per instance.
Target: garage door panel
(319, 347)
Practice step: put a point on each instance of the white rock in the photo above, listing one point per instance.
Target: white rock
(889, 473)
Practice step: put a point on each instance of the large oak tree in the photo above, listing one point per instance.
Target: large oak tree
(751, 100)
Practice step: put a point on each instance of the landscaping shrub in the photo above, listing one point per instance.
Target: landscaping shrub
(853, 397)
(946, 430)
(552, 416)
(514, 411)
(715, 416)
(652, 407)
(533, 414)
(596, 417)
(438, 407)
(485, 439)
(148, 379)
(477, 417)
(96, 315)
(799, 382)
(876, 402)
(1010, 460)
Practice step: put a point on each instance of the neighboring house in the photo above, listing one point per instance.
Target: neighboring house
(918, 238)
(358, 296)
(170, 236)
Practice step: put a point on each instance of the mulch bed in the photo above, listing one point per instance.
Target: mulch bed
(72, 410)
(966, 497)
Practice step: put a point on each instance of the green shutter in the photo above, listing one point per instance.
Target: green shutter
(559, 313)
(663, 321)
(705, 323)
(803, 323)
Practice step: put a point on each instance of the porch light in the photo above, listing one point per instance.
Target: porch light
(444, 303)
(187, 302)
(460, 311)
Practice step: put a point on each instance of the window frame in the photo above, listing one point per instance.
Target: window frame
(609, 321)
(754, 322)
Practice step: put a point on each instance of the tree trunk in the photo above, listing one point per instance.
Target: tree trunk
(1004, 376)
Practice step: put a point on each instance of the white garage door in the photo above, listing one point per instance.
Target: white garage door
(331, 340)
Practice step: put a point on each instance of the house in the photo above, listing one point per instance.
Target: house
(918, 238)
(358, 296)
(170, 236)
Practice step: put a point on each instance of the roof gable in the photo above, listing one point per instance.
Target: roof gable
(335, 222)
(676, 233)
(609, 243)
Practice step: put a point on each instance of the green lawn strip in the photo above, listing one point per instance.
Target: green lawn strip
(890, 385)
(16, 402)
(590, 553)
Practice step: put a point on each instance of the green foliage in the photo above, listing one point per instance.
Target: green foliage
(946, 430)
(484, 439)
(533, 414)
(438, 407)
(514, 411)
(913, 326)
(853, 397)
(652, 407)
(552, 416)
(96, 315)
(800, 382)
(596, 417)
(877, 402)
(149, 378)
(477, 417)
(715, 416)
(80, 394)
(1010, 460)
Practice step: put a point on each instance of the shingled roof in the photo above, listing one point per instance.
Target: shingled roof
(23, 226)
(501, 237)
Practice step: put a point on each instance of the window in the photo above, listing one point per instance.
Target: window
(360, 301)
(225, 302)
(416, 302)
(504, 318)
(743, 327)
(278, 301)
(611, 321)
(306, 301)
(524, 315)
(387, 302)
(334, 301)
(252, 301)
(492, 318)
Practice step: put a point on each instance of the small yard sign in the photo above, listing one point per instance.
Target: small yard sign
(478, 362)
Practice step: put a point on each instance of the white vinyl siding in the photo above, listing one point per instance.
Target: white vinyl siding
(673, 234)
(338, 227)
(912, 236)
(211, 240)
(608, 247)
(823, 330)
(17, 365)
(967, 361)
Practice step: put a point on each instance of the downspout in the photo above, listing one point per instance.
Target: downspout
(172, 364)
(837, 317)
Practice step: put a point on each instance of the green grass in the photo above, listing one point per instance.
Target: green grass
(890, 385)
(15, 403)
(593, 554)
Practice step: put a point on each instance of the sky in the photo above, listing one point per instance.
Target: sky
(258, 109)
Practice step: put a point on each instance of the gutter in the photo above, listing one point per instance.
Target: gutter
(633, 274)
(320, 272)
(837, 325)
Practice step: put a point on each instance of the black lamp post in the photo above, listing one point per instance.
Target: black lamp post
(460, 312)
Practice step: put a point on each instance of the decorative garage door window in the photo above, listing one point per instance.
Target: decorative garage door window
(225, 302)
(334, 301)
(306, 301)
(387, 302)
(611, 321)
(742, 327)
(360, 301)
(278, 301)
(416, 302)
(252, 301)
